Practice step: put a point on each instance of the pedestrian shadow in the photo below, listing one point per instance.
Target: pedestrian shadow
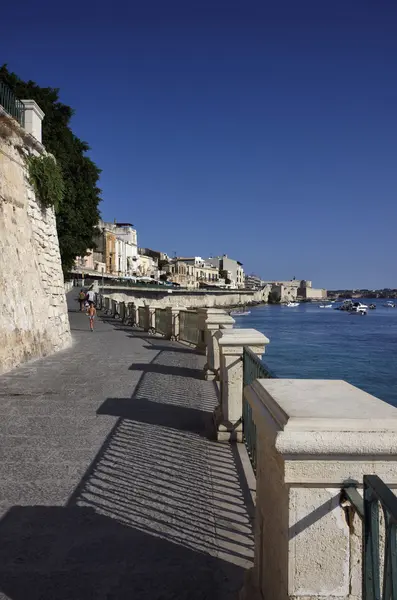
(76, 553)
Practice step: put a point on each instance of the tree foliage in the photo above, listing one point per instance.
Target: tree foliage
(78, 214)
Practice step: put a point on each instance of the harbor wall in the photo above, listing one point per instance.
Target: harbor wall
(187, 298)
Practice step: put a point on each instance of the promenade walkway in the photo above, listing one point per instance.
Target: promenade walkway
(109, 486)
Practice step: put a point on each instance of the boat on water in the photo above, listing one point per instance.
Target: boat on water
(346, 305)
(239, 313)
(358, 308)
(292, 304)
(372, 306)
(390, 304)
(326, 306)
(353, 307)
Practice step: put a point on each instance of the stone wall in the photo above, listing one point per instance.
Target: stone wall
(188, 299)
(33, 312)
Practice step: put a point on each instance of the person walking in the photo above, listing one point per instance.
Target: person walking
(91, 296)
(81, 300)
(92, 314)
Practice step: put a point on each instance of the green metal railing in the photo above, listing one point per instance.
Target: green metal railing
(253, 368)
(121, 310)
(141, 316)
(188, 327)
(131, 313)
(379, 569)
(162, 319)
(12, 104)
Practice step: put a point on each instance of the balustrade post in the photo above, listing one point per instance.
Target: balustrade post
(150, 318)
(213, 323)
(228, 416)
(313, 438)
(203, 314)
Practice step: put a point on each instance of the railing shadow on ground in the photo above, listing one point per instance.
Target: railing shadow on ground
(160, 513)
(65, 553)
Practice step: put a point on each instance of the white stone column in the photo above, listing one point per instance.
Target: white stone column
(228, 417)
(203, 314)
(150, 318)
(213, 323)
(313, 437)
(33, 118)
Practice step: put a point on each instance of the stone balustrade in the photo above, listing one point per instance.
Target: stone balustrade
(313, 438)
(307, 440)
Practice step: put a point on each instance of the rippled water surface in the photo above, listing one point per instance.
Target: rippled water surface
(308, 342)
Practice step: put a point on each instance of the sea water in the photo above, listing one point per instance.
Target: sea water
(323, 343)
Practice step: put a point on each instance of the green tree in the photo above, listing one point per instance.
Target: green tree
(78, 214)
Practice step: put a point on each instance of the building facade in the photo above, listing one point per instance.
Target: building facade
(115, 252)
(231, 270)
(253, 282)
(192, 272)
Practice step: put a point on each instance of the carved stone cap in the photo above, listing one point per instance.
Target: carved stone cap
(219, 319)
(324, 405)
(242, 337)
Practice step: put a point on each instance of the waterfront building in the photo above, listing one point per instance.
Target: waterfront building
(115, 251)
(232, 270)
(147, 265)
(285, 291)
(253, 282)
(307, 292)
(192, 272)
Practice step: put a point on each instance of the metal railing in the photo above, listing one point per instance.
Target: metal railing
(379, 570)
(106, 305)
(114, 310)
(141, 316)
(121, 311)
(162, 320)
(131, 313)
(11, 104)
(188, 327)
(253, 368)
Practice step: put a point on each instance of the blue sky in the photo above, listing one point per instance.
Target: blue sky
(264, 130)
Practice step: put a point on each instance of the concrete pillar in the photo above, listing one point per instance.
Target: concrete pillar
(228, 416)
(150, 318)
(313, 437)
(203, 314)
(33, 118)
(213, 323)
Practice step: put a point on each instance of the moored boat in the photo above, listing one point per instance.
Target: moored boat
(292, 304)
(358, 308)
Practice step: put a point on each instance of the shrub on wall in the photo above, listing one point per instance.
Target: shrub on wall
(47, 180)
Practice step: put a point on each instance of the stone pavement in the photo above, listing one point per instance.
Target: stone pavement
(109, 485)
